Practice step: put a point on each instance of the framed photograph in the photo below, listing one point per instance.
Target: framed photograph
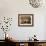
(25, 20)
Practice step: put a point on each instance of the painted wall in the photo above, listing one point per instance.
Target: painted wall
(11, 8)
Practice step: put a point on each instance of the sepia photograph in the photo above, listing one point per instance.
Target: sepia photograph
(25, 19)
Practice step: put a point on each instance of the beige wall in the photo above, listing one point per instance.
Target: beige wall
(11, 8)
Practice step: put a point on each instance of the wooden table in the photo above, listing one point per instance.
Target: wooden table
(30, 43)
(27, 42)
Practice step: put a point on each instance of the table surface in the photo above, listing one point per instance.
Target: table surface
(42, 41)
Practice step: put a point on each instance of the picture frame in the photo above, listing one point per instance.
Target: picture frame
(25, 20)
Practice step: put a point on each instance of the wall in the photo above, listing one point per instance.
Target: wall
(11, 8)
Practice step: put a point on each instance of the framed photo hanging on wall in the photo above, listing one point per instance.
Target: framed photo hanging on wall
(25, 20)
